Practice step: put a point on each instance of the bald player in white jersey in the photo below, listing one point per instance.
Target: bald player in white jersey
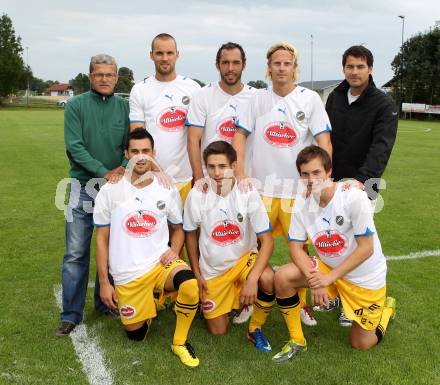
(350, 260)
(280, 121)
(160, 104)
(216, 108)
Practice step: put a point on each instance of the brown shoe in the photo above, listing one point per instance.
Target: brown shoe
(64, 329)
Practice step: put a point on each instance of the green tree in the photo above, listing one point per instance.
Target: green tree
(80, 83)
(417, 69)
(125, 80)
(11, 62)
(257, 84)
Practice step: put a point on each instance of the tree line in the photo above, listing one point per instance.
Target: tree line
(416, 69)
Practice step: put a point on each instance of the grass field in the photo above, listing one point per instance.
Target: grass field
(33, 161)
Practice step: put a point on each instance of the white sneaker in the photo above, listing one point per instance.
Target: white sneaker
(244, 315)
(306, 317)
(343, 320)
(332, 304)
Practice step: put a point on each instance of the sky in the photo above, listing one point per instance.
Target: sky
(61, 36)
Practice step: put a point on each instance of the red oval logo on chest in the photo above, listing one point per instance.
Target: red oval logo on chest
(140, 224)
(172, 119)
(226, 233)
(280, 134)
(227, 129)
(330, 243)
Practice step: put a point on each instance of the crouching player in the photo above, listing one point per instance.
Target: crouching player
(133, 219)
(229, 271)
(350, 260)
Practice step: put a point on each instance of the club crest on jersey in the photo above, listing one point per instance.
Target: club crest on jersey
(172, 119)
(227, 128)
(160, 205)
(330, 243)
(340, 220)
(239, 217)
(300, 115)
(280, 134)
(140, 224)
(185, 100)
(127, 311)
(226, 233)
(208, 305)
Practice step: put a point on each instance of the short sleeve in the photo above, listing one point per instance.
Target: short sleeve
(319, 121)
(102, 209)
(246, 120)
(191, 213)
(174, 213)
(136, 105)
(257, 214)
(361, 213)
(197, 111)
(297, 230)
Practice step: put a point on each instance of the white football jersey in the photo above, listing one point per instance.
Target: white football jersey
(333, 231)
(279, 128)
(163, 106)
(138, 220)
(228, 226)
(217, 112)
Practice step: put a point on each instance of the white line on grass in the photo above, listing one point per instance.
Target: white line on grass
(92, 359)
(417, 254)
(88, 350)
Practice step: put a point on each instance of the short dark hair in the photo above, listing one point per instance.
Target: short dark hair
(220, 147)
(309, 153)
(137, 134)
(162, 36)
(358, 51)
(230, 46)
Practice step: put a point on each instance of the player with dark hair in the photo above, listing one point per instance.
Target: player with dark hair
(229, 269)
(364, 122)
(133, 218)
(214, 112)
(350, 261)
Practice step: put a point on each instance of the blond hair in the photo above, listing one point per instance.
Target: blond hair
(286, 47)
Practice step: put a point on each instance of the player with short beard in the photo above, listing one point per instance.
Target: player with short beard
(134, 219)
(216, 108)
(350, 261)
(229, 270)
(160, 103)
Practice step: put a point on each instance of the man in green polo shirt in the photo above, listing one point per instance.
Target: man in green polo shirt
(95, 131)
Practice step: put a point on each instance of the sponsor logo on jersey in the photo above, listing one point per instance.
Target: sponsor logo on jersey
(172, 119)
(226, 233)
(280, 134)
(140, 224)
(208, 306)
(227, 128)
(127, 311)
(330, 243)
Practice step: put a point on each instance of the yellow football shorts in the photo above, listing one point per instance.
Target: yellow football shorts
(135, 299)
(184, 188)
(224, 290)
(279, 211)
(364, 306)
